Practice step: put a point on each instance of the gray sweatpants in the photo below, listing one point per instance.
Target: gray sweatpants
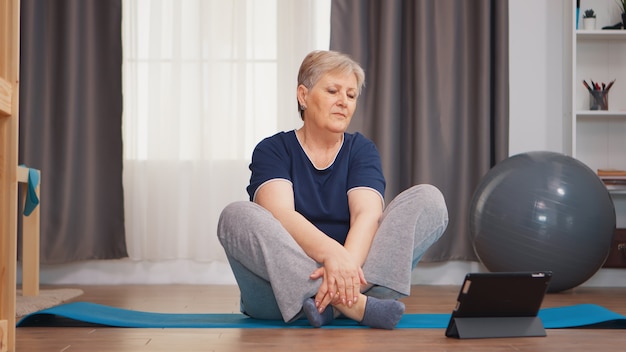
(272, 271)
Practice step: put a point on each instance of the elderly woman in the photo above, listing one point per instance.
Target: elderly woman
(316, 238)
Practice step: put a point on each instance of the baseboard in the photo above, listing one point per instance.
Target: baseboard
(126, 271)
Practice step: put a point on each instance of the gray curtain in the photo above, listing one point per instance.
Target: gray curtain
(436, 97)
(70, 124)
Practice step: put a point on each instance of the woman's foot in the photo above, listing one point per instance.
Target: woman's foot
(382, 313)
(317, 319)
(377, 313)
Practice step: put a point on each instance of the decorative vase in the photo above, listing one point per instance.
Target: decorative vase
(589, 23)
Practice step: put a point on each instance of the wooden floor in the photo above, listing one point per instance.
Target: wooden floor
(224, 299)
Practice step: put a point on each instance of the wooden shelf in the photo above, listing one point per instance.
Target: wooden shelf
(9, 135)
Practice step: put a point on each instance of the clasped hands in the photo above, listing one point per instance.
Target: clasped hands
(342, 279)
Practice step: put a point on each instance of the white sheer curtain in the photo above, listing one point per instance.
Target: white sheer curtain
(204, 81)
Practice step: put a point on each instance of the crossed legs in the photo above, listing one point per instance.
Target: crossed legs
(272, 271)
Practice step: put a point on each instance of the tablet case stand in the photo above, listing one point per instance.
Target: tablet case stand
(499, 305)
(488, 327)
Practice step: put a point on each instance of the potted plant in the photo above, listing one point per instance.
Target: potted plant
(622, 7)
(589, 19)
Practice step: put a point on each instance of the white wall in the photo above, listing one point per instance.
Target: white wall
(538, 112)
(539, 120)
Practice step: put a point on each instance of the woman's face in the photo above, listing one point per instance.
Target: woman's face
(331, 102)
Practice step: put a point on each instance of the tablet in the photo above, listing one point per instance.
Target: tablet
(503, 304)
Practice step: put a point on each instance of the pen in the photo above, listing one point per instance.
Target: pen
(610, 85)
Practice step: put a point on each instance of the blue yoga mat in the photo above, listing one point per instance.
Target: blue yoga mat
(84, 313)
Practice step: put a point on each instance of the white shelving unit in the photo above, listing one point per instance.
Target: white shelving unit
(599, 137)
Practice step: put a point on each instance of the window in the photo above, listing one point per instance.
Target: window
(204, 82)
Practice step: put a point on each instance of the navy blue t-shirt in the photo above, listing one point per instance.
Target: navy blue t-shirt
(321, 196)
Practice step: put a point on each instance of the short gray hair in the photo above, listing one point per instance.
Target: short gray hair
(318, 63)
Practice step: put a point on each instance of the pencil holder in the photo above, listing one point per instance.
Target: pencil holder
(599, 100)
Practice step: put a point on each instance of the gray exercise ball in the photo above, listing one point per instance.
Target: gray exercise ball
(542, 211)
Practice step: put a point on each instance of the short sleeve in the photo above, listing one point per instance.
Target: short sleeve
(365, 166)
(270, 160)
